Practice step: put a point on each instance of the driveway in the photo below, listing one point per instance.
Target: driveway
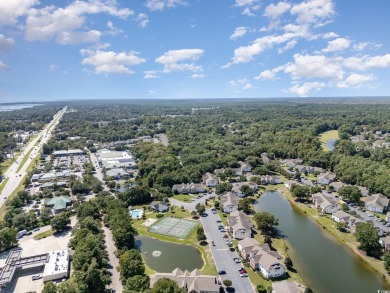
(365, 217)
(223, 257)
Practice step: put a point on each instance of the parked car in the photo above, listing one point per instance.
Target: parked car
(36, 277)
(36, 229)
(236, 260)
(243, 275)
(222, 272)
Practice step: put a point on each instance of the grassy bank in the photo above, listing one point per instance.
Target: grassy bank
(2, 185)
(183, 197)
(24, 160)
(43, 235)
(4, 207)
(208, 266)
(324, 137)
(326, 223)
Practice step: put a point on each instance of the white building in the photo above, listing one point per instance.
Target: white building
(377, 203)
(239, 225)
(210, 180)
(57, 266)
(229, 203)
(328, 204)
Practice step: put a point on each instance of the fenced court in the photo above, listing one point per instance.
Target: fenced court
(174, 227)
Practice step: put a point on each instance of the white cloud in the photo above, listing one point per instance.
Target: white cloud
(275, 11)
(149, 74)
(304, 89)
(249, 6)
(338, 44)
(330, 35)
(53, 67)
(314, 66)
(288, 46)
(177, 60)
(143, 20)
(197, 75)
(11, 10)
(151, 92)
(269, 74)
(239, 32)
(154, 5)
(317, 12)
(366, 62)
(6, 43)
(242, 83)
(3, 66)
(113, 30)
(355, 80)
(111, 62)
(66, 25)
(360, 46)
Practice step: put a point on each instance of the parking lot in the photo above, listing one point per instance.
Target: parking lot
(222, 255)
(22, 281)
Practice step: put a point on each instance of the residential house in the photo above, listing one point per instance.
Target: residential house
(388, 217)
(237, 188)
(364, 191)
(210, 180)
(307, 182)
(337, 185)
(189, 188)
(341, 217)
(219, 171)
(35, 177)
(291, 163)
(289, 183)
(385, 242)
(191, 282)
(304, 169)
(245, 167)
(269, 266)
(270, 179)
(229, 202)
(239, 225)
(328, 203)
(250, 246)
(377, 203)
(159, 207)
(285, 286)
(264, 158)
(58, 203)
(326, 178)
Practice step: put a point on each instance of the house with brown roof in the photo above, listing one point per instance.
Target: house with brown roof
(229, 202)
(248, 247)
(377, 203)
(269, 266)
(385, 242)
(192, 282)
(328, 204)
(189, 188)
(210, 180)
(239, 225)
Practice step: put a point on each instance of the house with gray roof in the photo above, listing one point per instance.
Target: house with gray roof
(337, 185)
(239, 225)
(237, 188)
(117, 173)
(186, 188)
(377, 203)
(229, 202)
(327, 203)
(191, 282)
(385, 242)
(159, 206)
(210, 180)
(58, 203)
(326, 178)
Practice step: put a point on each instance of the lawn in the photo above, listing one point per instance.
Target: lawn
(2, 185)
(4, 207)
(43, 235)
(183, 197)
(208, 267)
(24, 160)
(327, 135)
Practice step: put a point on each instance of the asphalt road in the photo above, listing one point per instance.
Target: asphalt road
(113, 260)
(365, 217)
(223, 257)
(15, 178)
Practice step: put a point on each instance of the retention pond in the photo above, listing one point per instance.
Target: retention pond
(325, 265)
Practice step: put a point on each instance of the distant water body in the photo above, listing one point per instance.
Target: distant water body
(12, 107)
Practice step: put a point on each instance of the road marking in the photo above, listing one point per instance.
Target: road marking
(222, 249)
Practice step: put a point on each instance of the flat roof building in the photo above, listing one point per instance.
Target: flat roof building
(64, 153)
(57, 267)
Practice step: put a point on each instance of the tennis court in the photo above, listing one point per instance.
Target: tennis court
(174, 227)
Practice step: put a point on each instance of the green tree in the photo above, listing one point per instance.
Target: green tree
(246, 190)
(59, 222)
(245, 205)
(138, 283)
(301, 192)
(223, 187)
(166, 285)
(342, 226)
(46, 215)
(350, 193)
(93, 278)
(49, 287)
(308, 290)
(227, 282)
(288, 262)
(368, 237)
(131, 264)
(386, 259)
(69, 286)
(200, 208)
(266, 222)
(344, 207)
(7, 238)
(200, 234)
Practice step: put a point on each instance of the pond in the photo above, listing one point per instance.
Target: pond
(325, 265)
(330, 144)
(164, 257)
(11, 107)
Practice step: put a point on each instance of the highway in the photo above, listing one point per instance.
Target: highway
(14, 177)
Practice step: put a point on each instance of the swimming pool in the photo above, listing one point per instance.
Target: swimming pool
(137, 214)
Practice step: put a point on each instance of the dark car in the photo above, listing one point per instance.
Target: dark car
(222, 272)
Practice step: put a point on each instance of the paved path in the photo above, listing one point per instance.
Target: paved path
(15, 178)
(222, 255)
(191, 205)
(113, 260)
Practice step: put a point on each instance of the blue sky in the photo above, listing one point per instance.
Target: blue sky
(181, 49)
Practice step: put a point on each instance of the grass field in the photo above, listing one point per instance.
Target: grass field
(2, 185)
(43, 235)
(327, 135)
(183, 197)
(208, 266)
(4, 207)
(24, 160)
